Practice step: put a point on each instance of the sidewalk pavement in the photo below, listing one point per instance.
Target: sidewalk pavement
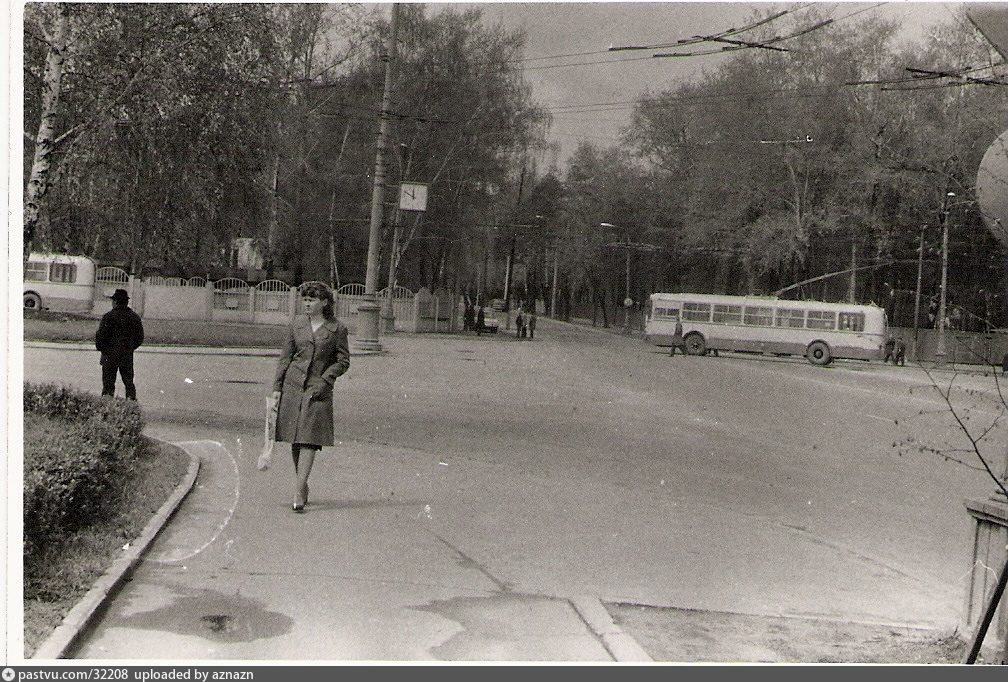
(370, 572)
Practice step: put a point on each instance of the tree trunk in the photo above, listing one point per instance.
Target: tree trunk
(38, 184)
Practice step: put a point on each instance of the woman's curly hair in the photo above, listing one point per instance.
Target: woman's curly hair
(323, 293)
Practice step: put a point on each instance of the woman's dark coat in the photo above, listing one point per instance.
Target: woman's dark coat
(309, 365)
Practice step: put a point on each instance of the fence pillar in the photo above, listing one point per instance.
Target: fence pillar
(135, 286)
(988, 556)
(209, 301)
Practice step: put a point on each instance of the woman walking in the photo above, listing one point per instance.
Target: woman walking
(315, 354)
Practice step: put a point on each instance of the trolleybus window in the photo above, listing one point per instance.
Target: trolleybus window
(790, 318)
(853, 322)
(36, 272)
(696, 312)
(759, 315)
(728, 314)
(666, 313)
(821, 319)
(63, 272)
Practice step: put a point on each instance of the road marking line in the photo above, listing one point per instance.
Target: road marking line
(875, 416)
(196, 444)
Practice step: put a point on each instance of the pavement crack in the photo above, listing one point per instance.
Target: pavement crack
(472, 563)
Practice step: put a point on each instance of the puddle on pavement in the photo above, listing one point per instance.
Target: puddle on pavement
(212, 615)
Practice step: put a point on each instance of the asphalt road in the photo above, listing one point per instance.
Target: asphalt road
(584, 462)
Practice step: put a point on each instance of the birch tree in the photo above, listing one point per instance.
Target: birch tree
(57, 39)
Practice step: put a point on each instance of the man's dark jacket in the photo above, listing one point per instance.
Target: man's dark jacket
(119, 334)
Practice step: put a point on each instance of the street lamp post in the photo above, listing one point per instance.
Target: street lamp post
(628, 301)
(367, 312)
(940, 350)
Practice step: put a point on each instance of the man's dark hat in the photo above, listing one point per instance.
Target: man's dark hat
(119, 295)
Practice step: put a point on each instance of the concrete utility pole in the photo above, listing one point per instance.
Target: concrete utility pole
(628, 301)
(940, 351)
(553, 289)
(852, 287)
(920, 268)
(511, 253)
(367, 312)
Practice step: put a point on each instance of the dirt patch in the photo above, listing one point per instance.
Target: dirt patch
(683, 635)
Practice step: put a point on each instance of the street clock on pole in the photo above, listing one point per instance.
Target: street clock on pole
(413, 196)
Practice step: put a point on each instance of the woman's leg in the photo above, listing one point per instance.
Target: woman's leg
(296, 457)
(304, 468)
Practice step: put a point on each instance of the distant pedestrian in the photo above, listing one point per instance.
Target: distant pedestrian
(1004, 364)
(531, 324)
(519, 324)
(467, 318)
(120, 332)
(889, 347)
(899, 358)
(480, 320)
(677, 340)
(314, 355)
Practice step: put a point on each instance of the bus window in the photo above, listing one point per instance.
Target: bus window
(853, 322)
(728, 314)
(666, 313)
(696, 312)
(63, 272)
(36, 271)
(791, 318)
(821, 319)
(759, 315)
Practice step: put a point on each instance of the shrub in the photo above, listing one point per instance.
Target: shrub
(60, 402)
(78, 449)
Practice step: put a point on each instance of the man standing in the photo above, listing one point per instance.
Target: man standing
(119, 334)
(890, 348)
(899, 356)
(531, 322)
(677, 340)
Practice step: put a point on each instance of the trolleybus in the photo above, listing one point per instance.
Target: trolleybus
(818, 330)
(59, 282)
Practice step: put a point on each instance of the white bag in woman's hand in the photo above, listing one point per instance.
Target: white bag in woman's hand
(269, 432)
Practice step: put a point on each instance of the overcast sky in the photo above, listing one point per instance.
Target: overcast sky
(574, 28)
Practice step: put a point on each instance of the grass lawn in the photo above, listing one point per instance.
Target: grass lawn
(48, 326)
(61, 577)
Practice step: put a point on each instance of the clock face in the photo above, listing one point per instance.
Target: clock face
(413, 197)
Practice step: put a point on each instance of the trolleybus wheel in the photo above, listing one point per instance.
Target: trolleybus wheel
(695, 344)
(32, 301)
(819, 353)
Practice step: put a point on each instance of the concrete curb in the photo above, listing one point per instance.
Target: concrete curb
(179, 350)
(65, 636)
(622, 647)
